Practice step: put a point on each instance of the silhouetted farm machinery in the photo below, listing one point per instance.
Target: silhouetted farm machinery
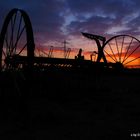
(17, 48)
(40, 99)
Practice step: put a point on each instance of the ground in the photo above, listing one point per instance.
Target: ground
(69, 105)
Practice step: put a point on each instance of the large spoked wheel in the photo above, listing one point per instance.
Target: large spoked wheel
(16, 39)
(123, 50)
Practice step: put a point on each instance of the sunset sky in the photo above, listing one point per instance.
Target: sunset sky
(54, 21)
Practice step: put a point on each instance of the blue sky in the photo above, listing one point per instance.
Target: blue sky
(59, 20)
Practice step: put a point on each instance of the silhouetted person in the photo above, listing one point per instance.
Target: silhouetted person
(79, 55)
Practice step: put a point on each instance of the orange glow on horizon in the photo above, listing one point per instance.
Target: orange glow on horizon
(59, 53)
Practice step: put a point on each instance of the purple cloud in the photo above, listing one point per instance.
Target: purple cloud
(66, 19)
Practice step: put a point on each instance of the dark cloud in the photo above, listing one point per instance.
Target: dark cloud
(45, 16)
(107, 18)
(95, 24)
(59, 19)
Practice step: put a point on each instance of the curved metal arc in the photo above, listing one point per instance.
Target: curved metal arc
(120, 36)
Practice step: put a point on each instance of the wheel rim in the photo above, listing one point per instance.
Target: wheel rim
(123, 49)
(16, 38)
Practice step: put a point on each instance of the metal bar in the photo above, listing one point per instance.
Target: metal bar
(112, 51)
(22, 49)
(117, 47)
(12, 45)
(127, 50)
(110, 56)
(18, 36)
(11, 36)
(132, 60)
(131, 53)
(121, 49)
(47, 60)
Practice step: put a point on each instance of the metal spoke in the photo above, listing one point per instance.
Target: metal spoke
(121, 49)
(110, 56)
(18, 34)
(21, 32)
(22, 48)
(131, 53)
(117, 46)
(112, 51)
(20, 21)
(12, 39)
(132, 60)
(127, 50)
(19, 37)
(11, 36)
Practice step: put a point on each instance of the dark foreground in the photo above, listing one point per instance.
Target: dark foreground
(70, 105)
